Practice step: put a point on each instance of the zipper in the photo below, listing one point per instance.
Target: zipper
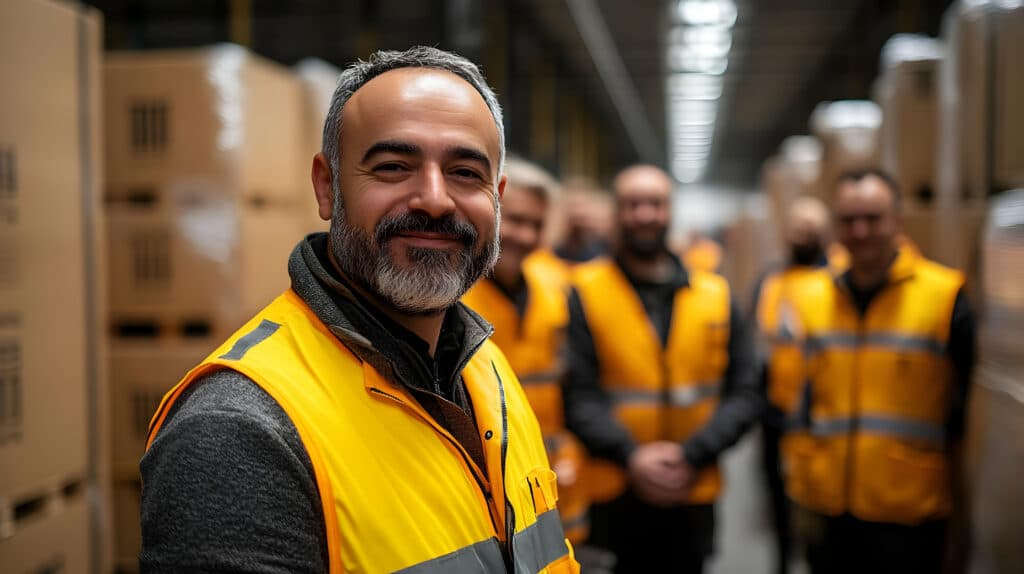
(510, 512)
(480, 481)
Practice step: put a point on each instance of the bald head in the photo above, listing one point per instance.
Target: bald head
(640, 178)
(642, 194)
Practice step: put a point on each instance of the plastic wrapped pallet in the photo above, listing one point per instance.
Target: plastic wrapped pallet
(995, 459)
(793, 173)
(981, 87)
(196, 268)
(318, 82)
(217, 117)
(906, 92)
(52, 384)
(849, 131)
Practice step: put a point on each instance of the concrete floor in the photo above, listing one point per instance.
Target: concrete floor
(744, 528)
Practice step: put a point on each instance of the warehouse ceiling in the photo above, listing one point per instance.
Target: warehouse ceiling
(785, 57)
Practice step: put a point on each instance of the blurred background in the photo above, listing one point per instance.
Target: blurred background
(154, 176)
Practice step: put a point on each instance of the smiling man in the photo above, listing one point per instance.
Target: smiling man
(363, 422)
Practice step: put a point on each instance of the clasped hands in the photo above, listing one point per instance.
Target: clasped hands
(659, 473)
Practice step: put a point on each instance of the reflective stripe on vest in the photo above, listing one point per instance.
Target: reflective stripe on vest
(914, 431)
(681, 396)
(868, 431)
(820, 343)
(660, 389)
(437, 511)
(552, 377)
(484, 556)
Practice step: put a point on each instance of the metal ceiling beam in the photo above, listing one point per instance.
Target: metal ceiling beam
(617, 82)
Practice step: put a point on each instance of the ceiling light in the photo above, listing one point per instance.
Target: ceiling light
(707, 12)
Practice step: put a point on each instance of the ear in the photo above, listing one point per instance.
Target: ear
(322, 178)
(501, 186)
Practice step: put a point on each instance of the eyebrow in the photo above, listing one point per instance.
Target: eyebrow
(391, 146)
(406, 148)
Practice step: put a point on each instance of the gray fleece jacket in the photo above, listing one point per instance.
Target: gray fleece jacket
(227, 483)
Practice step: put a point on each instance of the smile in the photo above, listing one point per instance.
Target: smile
(429, 240)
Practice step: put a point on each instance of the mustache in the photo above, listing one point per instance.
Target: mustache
(417, 222)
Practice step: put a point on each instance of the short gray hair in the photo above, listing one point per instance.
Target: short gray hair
(359, 73)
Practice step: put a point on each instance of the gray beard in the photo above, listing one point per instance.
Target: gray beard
(433, 281)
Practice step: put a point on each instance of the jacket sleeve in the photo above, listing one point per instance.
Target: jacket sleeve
(228, 486)
(962, 351)
(742, 401)
(588, 411)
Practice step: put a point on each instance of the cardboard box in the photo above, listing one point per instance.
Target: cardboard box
(218, 117)
(56, 541)
(1008, 123)
(49, 219)
(982, 144)
(850, 133)
(318, 80)
(196, 269)
(127, 525)
(907, 95)
(142, 373)
(947, 237)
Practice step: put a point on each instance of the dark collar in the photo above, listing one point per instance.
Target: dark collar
(680, 276)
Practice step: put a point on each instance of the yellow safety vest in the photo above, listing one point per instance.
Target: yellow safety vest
(657, 393)
(879, 389)
(534, 346)
(399, 492)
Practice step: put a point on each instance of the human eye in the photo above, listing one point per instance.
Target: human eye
(468, 173)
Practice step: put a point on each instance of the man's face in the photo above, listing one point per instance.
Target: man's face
(867, 222)
(522, 224)
(418, 177)
(642, 196)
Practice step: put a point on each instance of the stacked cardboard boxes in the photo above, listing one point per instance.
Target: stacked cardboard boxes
(849, 131)
(318, 82)
(51, 385)
(206, 197)
(907, 93)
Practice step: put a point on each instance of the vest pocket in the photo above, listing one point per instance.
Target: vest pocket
(543, 484)
(911, 486)
(814, 470)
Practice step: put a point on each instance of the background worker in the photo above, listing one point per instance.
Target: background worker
(528, 307)
(660, 383)
(806, 234)
(889, 345)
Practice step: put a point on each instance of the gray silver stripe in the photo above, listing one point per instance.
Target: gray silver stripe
(845, 340)
(902, 428)
(681, 396)
(484, 556)
(579, 521)
(545, 378)
(691, 395)
(539, 544)
(250, 340)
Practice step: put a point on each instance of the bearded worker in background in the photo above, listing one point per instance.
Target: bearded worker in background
(363, 422)
(661, 381)
(527, 304)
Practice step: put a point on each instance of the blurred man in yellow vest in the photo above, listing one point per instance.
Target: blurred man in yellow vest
(779, 356)
(363, 422)
(527, 304)
(660, 383)
(889, 348)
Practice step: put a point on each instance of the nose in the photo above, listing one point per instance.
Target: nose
(432, 196)
(646, 213)
(859, 228)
